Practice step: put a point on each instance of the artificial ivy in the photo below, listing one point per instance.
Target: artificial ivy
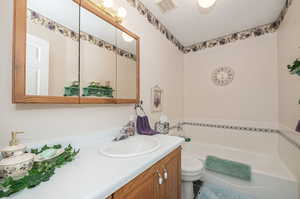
(295, 67)
(40, 172)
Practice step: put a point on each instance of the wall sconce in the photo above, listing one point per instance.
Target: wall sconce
(106, 7)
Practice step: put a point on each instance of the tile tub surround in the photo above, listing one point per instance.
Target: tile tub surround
(245, 130)
(92, 175)
(242, 35)
(290, 140)
(291, 157)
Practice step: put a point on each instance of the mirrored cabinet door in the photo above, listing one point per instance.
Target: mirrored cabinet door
(98, 61)
(71, 51)
(126, 66)
(52, 49)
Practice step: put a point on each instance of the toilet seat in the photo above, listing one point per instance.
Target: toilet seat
(191, 167)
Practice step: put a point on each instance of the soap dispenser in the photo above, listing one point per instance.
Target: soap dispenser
(14, 148)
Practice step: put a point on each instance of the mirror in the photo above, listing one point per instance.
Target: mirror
(73, 53)
(98, 61)
(52, 42)
(126, 66)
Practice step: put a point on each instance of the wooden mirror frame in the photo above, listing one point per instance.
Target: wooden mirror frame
(19, 61)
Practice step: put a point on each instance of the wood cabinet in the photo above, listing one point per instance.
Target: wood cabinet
(171, 169)
(161, 181)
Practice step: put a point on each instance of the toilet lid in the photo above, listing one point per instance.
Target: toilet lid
(190, 164)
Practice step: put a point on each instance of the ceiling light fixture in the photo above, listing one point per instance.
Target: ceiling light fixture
(108, 3)
(122, 12)
(126, 37)
(206, 3)
(107, 8)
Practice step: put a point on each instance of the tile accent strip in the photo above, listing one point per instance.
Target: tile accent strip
(242, 35)
(155, 22)
(39, 19)
(240, 128)
(252, 129)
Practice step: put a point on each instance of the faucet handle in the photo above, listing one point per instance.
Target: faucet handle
(14, 140)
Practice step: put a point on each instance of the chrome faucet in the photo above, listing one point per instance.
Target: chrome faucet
(127, 131)
(179, 126)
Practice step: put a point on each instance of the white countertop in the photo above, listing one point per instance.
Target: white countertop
(94, 176)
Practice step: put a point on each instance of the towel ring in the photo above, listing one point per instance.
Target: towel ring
(139, 106)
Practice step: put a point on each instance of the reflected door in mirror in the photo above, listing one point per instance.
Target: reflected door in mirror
(52, 45)
(37, 62)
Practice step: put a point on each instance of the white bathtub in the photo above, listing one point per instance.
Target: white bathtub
(270, 178)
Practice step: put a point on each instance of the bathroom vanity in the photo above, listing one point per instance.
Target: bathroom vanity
(93, 175)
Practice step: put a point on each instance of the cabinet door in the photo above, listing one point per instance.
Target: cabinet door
(171, 171)
(145, 186)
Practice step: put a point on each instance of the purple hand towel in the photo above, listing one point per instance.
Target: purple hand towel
(143, 126)
(298, 127)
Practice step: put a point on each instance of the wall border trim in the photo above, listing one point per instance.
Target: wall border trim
(220, 41)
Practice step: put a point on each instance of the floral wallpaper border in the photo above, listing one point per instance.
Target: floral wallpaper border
(56, 27)
(253, 32)
(144, 11)
(242, 35)
(152, 19)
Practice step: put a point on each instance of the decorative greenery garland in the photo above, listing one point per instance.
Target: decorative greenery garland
(40, 172)
(295, 68)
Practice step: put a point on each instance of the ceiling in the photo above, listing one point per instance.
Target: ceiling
(191, 25)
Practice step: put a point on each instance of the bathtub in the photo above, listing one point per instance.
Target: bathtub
(270, 177)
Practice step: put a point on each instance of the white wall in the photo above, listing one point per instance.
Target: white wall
(97, 64)
(252, 96)
(250, 100)
(289, 86)
(288, 52)
(126, 78)
(161, 63)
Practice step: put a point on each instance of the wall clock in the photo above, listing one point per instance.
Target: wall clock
(222, 76)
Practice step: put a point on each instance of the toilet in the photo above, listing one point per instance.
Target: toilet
(191, 170)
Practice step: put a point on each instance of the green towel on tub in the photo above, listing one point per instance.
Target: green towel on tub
(229, 168)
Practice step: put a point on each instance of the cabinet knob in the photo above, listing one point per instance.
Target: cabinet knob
(160, 178)
(165, 173)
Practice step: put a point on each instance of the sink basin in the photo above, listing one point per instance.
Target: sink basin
(131, 147)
